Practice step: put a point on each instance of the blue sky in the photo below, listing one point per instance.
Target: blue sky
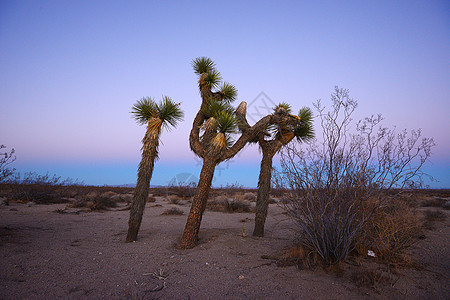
(71, 70)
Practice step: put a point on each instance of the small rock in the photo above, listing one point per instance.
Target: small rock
(241, 277)
(31, 204)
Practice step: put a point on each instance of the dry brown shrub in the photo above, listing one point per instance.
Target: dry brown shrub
(301, 257)
(151, 199)
(173, 211)
(371, 278)
(108, 194)
(433, 202)
(174, 199)
(250, 197)
(224, 204)
(431, 217)
(94, 201)
(391, 230)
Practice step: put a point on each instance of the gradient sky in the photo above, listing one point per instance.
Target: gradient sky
(71, 70)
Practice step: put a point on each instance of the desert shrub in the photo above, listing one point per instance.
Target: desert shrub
(250, 197)
(173, 199)
(94, 201)
(333, 188)
(224, 204)
(173, 211)
(151, 199)
(79, 203)
(101, 203)
(301, 257)
(41, 189)
(159, 191)
(434, 202)
(182, 190)
(6, 158)
(391, 230)
(229, 190)
(431, 217)
(371, 278)
(108, 194)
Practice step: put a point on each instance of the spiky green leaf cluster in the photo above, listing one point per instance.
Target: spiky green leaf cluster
(170, 112)
(166, 110)
(228, 91)
(287, 107)
(144, 109)
(305, 132)
(203, 65)
(215, 107)
(213, 78)
(226, 122)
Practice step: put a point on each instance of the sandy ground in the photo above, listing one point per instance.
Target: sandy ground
(48, 255)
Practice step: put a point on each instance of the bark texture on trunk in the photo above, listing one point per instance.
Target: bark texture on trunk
(262, 199)
(190, 235)
(149, 154)
(269, 149)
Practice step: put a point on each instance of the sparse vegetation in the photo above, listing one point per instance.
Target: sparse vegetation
(390, 231)
(432, 216)
(184, 191)
(173, 211)
(334, 188)
(6, 159)
(225, 204)
(174, 199)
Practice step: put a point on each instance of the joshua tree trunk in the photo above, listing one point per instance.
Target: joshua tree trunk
(262, 199)
(149, 154)
(190, 235)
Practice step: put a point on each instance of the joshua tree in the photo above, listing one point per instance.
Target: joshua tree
(281, 135)
(157, 116)
(211, 136)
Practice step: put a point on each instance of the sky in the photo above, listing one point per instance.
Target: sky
(71, 71)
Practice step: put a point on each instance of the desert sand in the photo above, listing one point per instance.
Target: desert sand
(51, 251)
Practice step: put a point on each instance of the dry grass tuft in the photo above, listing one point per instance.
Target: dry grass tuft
(374, 279)
(224, 204)
(390, 231)
(174, 199)
(174, 211)
(434, 202)
(250, 197)
(431, 217)
(301, 257)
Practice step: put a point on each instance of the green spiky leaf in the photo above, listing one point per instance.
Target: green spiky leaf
(305, 132)
(170, 112)
(213, 78)
(287, 107)
(228, 91)
(203, 65)
(144, 109)
(226, 122)
(214, 107)
(305, 114)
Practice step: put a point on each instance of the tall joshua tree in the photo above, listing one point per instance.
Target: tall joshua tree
(156, 116)
(280, 135)
(211, 136)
